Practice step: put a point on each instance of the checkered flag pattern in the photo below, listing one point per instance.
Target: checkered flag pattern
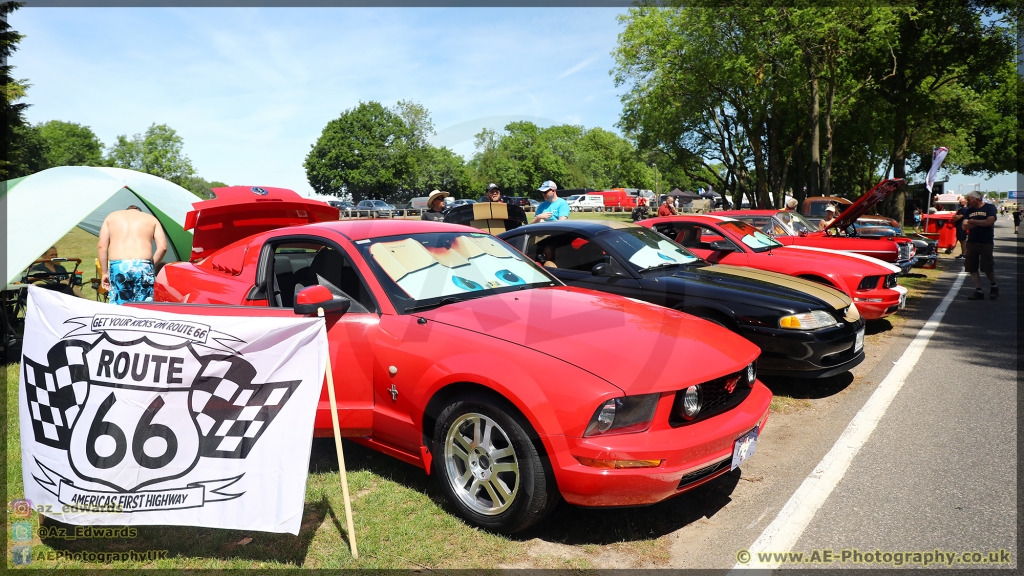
(231, 411)
(56, 392)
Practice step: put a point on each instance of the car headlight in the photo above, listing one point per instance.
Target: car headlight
(751, 374)
(691, 402)
(808, 320)
(621, 415)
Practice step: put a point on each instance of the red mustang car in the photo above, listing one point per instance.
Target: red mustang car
(869, 282)
(453, 352)
(792, 229)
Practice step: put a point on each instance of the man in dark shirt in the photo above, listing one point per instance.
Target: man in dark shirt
(435, 207)
(980, 241)
(958, 220)
(493, 194)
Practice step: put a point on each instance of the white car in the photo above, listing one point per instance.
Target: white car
(586, 202)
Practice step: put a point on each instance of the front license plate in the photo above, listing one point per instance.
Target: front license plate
(903, 301)
(744, 448)
(858, 342)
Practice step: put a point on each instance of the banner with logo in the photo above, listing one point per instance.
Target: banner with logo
(132, 416)
(938, 155)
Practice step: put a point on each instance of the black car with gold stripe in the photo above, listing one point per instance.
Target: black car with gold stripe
(803, 328)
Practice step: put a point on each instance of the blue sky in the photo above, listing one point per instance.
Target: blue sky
(249, 90)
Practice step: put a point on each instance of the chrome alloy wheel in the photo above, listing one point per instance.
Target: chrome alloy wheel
(481, 464)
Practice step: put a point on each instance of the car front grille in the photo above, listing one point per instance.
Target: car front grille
(890, 281)
(716, 395)
(698, 475)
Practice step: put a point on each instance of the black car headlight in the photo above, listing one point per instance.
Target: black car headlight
(622, 415)
(869, 283)
(808, 320)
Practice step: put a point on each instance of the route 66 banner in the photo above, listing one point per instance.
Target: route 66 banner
(132, 416)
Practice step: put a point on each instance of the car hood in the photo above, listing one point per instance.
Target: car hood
(852, 263)
(636, 346)
(869, 200)
(768, 284)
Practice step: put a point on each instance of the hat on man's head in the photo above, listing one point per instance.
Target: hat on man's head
(435, 195)
(830, 208)
(547, 185)
(492, 186)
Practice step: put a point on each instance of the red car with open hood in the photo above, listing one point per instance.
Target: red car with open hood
(453, 352)
(793, 229)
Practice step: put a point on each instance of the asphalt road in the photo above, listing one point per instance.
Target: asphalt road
(940, 469)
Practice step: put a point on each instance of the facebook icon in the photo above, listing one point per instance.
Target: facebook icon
(21, 555)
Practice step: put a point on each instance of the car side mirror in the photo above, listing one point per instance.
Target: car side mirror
(722, 246)
(605, 270)
(312, 297)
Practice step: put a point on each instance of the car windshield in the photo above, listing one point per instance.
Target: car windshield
(752, 237)
(420, 271)
(646, 249)
(796, 222)
(573, 198)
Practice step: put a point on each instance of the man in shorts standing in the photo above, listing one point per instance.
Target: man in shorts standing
(126, 254)
(980, 241)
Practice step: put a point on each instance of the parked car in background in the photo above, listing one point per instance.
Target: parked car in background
(804, 329)
(376, 208)
(445, 360)
(521, 201)
(869, 282)
(459, 202)
(871, 226)
(586, 202)
(792, 229)
(344, 206)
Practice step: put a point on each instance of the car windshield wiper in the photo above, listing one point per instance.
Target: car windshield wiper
(441, 302)
(665, 265)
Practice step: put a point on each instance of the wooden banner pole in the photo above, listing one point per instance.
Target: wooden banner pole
(341, 455)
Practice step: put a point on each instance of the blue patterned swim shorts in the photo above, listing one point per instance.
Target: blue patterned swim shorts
(131, 281)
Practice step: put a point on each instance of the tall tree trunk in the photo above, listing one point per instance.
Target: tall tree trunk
(901, 137)
(814, 178)
(801, 178)
(826, 177)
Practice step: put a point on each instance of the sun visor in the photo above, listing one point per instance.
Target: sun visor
(869, 200)
(241, 211)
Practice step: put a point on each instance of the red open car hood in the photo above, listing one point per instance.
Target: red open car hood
(869, 200)
(241, 211)
(636, 346)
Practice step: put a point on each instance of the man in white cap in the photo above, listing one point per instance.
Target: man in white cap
(830, 215)
(435, 207)
(552, 208)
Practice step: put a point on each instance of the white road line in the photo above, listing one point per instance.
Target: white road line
(782, 534)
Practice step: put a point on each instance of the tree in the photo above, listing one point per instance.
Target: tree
(201, 187)
(365, 152)
(70, 144)
(19, 140)
(158, 152)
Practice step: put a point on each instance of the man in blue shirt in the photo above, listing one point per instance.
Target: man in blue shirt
(552, 208)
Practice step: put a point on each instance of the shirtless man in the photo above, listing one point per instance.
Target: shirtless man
(126, 241)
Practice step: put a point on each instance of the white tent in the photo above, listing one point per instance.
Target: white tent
(40, 209)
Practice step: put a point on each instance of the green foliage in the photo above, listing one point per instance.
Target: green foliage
(367, 152)
(526, 155)
(16, 154)
(201, 187)
(785, 97)
(158, 152)
(70, 144)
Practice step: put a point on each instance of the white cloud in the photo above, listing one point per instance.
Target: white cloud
(576, 68)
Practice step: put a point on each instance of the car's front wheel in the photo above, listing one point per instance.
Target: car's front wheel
(488, 467)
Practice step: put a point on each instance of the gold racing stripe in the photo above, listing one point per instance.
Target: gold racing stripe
(833, 297)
